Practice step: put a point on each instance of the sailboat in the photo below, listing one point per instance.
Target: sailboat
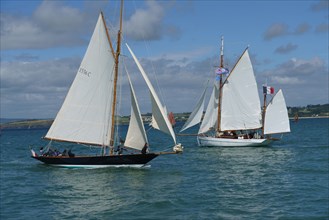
(234, 116)
(87, 116)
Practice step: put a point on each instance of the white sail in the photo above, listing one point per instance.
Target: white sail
(136, 135)
(196, 115)
(158, 111)
(240, 100)
(276, 116)
(210, 118)
(154, 122)
(85, 114)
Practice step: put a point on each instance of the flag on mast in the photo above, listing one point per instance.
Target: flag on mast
(268, 90)
(222, 70)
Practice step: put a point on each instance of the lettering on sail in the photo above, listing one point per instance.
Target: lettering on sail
(84, 71)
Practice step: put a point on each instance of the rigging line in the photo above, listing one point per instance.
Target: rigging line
(115, 14)
(146, 44)
(48, 145)
(154, 72)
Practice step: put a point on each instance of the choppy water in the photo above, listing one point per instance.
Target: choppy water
(288, 180)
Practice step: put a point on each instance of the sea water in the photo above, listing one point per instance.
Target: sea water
(287, 180)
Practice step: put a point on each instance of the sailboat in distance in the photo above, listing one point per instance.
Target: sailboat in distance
(234, 116)
(87, 116)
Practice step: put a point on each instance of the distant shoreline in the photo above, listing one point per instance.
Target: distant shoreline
(46, 123)
(309, 117)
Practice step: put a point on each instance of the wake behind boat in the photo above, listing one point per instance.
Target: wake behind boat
(87, 116)
(234, 116)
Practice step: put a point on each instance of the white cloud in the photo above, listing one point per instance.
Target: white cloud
(298, 70)
(286, 80)
(148, 24)
(35, 89)
(301, 80)
(55, 24)
(286, 48)
(180, 58)
(282, 29)
(57, 17)
(322, 5)
(302, 28)
(276, 30)
(52, 24)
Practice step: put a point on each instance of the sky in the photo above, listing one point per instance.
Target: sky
(177, 42)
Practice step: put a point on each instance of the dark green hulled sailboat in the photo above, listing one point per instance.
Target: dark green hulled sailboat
(87, 115)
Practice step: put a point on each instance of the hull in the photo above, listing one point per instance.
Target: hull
(131, 160)
(227, 142)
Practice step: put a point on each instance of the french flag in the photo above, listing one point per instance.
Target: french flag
(268, 90)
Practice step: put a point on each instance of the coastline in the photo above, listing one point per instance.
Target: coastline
(309, 117)
(46, 123)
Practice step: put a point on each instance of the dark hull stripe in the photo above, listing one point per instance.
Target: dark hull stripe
(99, 160)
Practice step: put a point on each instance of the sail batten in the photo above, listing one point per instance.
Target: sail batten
(85, 114)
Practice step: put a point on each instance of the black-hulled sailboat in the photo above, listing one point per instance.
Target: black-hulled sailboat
(87, 116)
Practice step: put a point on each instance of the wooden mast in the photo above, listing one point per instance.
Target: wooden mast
(264, 111)
(107, 34)
(116, 69)
(220, 85)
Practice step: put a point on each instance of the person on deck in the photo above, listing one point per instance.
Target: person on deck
(145, 149)
(70, 153)
(41, 151)
(120, 147)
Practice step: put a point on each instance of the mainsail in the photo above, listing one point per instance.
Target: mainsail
(136, 135)
(158, 112)
(240, 107)
(85, 114)
(196, 115)
(276, 116)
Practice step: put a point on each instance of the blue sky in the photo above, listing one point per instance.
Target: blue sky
(43, 42)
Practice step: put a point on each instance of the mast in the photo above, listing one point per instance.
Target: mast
(264, 111)
(107, 34)
(116, 70)
(220, 84)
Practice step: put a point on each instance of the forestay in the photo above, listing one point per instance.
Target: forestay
(196, 115)
(210, 118)
(276, 117)
(240, 107)
(85, 114)
(158, 112)
(136, 135)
